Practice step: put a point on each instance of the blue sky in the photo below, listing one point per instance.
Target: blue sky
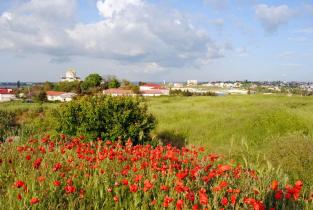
(156, 40)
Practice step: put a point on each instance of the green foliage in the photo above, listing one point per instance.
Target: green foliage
(135, 89)
(68, 86)
(91, 81)
(114, 83)
(188, 93)
(41, 96)
(107, 117)
(7, 124)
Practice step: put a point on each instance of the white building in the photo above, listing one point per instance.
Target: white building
(153, 90)
(70, 76)
(60, 96)
(149, 87)
(156, 92)
(192, 82)
(6, 95)
(178, 85)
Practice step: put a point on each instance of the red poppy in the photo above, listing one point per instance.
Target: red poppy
(164, 188)
(278, 195)
(167, 201)
(133, 188)
(37, 163)
(203, 197)
(190, 196)
(224, 201)
(19, 184)
(34, 201)
(69, 189)
(233, 199)
(274, 185)
(57, 166)
(147, 185)
(179, 204)
(195, 207)
(124, 181)
(181, 175)
(56, 183)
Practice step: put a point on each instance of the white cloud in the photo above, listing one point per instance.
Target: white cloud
(37, 26)
(108, 8)
(131, 32)
(272, 17)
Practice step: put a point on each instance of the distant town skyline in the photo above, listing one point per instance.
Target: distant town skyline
(150, 40)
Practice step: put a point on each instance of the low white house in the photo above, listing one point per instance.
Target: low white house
(60, 96)
(6, 94)
(156, 92)
(153, 90)
(149, 87)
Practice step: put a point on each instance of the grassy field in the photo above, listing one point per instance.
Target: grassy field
(274, 129)
(277, 129)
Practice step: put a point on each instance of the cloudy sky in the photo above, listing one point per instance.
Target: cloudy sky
(156, 40)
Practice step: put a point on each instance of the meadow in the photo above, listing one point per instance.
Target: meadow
(271, 135)
(271, 130)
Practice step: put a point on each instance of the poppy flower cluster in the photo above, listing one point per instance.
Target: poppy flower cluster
(67, 172)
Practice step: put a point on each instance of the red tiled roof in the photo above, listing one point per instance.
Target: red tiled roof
(54, 93)
(6, 91)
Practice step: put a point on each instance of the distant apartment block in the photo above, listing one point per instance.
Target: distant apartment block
(192, 82)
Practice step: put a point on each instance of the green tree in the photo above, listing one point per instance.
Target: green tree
(114, 83)
(91, 81)
(18, 84)
(107, 117)
(68, 86)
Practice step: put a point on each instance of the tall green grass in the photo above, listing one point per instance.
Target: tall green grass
(271, 127)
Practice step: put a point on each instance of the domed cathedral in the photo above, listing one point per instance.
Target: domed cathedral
(70, 76)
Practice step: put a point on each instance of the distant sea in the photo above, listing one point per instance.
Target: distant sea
(14, 85)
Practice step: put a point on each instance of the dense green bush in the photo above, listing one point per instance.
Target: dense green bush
(7, 124)
(106, 117)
